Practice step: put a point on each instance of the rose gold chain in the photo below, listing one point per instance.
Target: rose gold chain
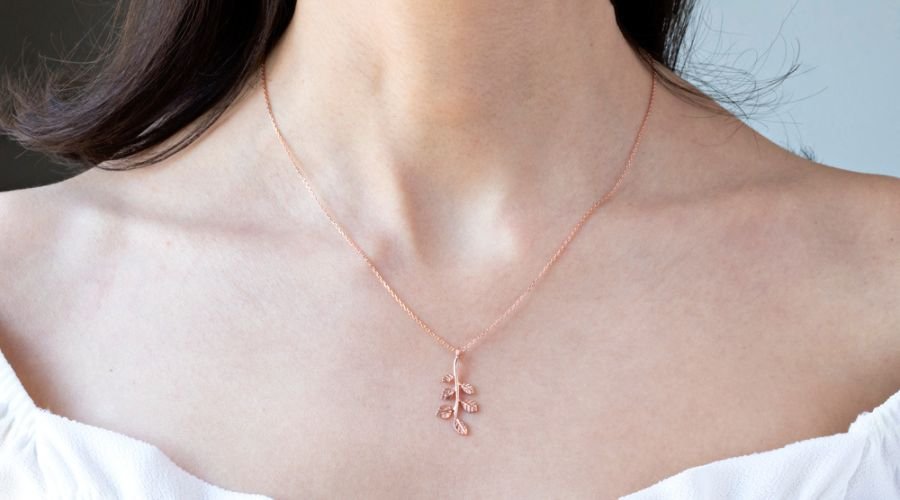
(441, 340)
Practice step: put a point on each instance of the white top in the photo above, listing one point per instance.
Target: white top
(44, 455)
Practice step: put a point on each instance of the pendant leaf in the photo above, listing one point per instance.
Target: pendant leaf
(448, 393)
(448, 378)
(460, 427)
(469, 405)
(467, 388)
(445, 412)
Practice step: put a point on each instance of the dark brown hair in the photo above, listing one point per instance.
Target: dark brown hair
(168, 63)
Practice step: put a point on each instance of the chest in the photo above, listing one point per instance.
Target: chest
(278, 375)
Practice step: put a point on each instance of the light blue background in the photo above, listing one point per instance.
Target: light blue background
(843, 103)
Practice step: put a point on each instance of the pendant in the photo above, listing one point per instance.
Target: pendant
(456, 392)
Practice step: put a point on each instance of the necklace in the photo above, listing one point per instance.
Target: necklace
(455, 388)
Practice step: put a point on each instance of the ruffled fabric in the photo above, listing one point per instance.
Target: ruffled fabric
(48, 456)
(862, 463)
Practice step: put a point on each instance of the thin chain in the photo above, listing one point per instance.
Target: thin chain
(475, 340)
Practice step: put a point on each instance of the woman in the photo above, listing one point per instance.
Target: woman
(724, 296)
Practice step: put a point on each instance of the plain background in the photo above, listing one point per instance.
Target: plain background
(841, 105)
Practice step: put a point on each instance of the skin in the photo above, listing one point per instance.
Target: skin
(732, 298)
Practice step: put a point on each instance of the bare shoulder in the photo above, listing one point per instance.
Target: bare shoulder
(29, 219)
(850, 223)
(47, 230)
(32, 218)
(853, 219)
(859, 218)
(858, 212)
(823, 244)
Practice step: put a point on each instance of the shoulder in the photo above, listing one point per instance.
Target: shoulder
(856, 214)
(28, 219)
(875, 195)
(786, 203)
(848, 233)
(854, 218)
(47, 233)
(823, 245)
(846, 222)
(32, 219)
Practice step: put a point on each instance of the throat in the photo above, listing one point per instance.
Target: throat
(450, 124)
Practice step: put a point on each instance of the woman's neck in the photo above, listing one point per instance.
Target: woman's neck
(447, 117)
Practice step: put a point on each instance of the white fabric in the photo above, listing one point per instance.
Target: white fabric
(862, 463)
(48, 456)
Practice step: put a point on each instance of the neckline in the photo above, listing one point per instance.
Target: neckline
(9, 379)
(866, 424)
(863, 421)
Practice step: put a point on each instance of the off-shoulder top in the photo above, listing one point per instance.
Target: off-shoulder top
(48, 456)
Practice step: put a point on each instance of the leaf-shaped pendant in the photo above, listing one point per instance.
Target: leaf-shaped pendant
(455, 392)
(468, 405)
(460, 427)
(445, 412)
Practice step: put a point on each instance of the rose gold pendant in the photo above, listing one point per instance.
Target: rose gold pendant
(458, 388)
